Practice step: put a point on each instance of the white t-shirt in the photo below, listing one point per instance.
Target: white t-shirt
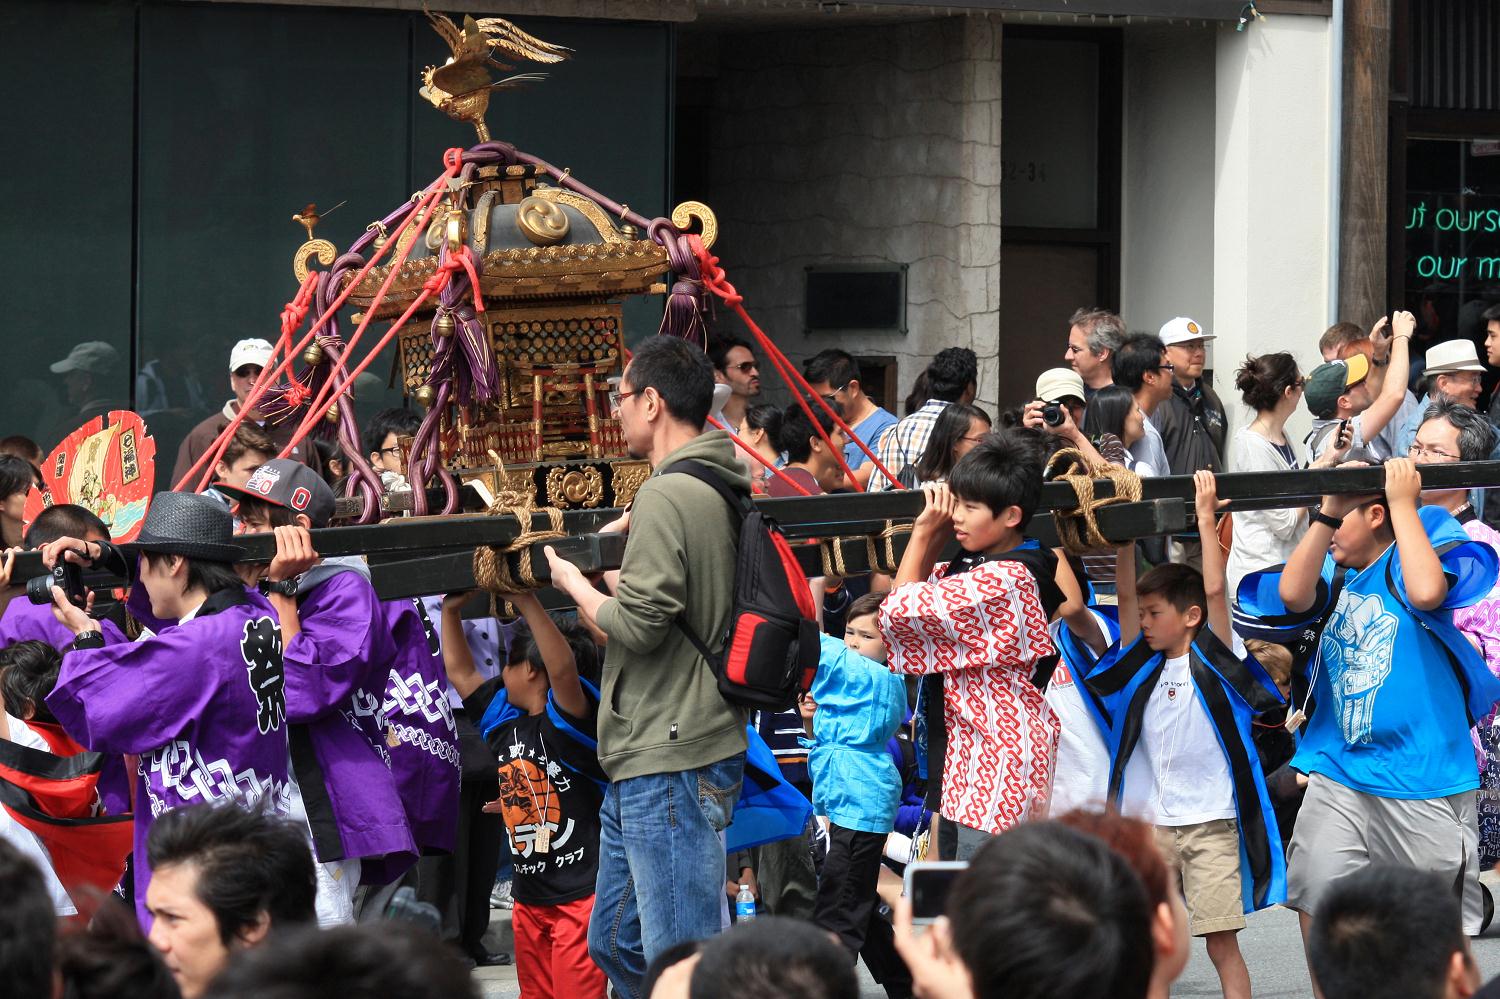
(1186, 777)
(24, 839)
(1081, 777)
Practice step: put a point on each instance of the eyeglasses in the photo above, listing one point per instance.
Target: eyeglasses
(833, 396)
(1075, 350)
(616, 397)
(974, 440)
(1418, 449)
(1169, 366)
(744, 367)
(394, 451)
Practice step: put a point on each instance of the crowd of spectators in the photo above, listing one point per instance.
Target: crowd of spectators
(265, 780)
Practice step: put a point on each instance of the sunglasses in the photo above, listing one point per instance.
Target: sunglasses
(833, 396)
(744, 367)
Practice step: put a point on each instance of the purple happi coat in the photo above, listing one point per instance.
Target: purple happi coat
(423, 736)
(337, 668)
(202, 704)
(24, 621)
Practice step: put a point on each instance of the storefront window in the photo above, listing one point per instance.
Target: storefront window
(1452, 259)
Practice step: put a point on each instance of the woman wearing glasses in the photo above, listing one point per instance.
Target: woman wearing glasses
(957, 429)
(1272, 386)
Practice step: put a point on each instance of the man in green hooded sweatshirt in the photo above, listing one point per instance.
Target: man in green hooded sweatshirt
(673, 748)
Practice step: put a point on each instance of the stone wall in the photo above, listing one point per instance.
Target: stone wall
(864, 145)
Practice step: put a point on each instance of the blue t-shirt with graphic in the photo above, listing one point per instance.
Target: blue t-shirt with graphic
(869, 430)
(1395, 687)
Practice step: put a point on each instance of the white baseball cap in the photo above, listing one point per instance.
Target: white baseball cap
(1181, 330)
(1057, 384)
(255, 351)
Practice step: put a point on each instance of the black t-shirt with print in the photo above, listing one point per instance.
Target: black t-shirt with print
(550, 791)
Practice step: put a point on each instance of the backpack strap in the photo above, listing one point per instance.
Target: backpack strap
(740, 503)
(1316, 437)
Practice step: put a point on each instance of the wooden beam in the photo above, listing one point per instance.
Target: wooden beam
(1164, 508)
(395, 579)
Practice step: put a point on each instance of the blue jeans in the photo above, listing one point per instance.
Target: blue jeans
(661, 866)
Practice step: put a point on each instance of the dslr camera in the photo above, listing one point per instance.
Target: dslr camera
(68, 575)
(1052, 414)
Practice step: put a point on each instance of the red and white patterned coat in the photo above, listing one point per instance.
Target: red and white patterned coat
(983, 630)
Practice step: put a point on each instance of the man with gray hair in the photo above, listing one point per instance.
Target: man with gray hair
(1093, 337)
(1453, 373)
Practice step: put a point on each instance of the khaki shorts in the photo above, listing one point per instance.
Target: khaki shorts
(1207, 856)
(1340, 831)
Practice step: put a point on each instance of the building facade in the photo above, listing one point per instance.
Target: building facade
(890, 178)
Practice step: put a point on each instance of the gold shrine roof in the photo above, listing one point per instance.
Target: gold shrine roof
(550, 244)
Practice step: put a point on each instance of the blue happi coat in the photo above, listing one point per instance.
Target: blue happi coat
(1390, 691)
(1232, 691)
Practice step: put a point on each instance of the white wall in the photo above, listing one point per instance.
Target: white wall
(1167, 202)
(1271, 219)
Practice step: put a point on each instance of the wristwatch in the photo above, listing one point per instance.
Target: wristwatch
(285, 587)
(1319, 517)
(91, 639)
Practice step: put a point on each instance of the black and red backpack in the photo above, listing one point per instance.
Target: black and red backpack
(769, 651)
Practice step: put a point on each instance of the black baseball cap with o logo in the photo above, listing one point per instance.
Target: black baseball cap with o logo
(286, 483)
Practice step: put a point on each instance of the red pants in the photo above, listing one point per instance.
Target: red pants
(552, 951)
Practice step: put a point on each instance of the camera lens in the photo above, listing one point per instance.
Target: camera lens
(39, 589)
(1052, 414)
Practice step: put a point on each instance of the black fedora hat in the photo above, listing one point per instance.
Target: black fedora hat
(190, 525)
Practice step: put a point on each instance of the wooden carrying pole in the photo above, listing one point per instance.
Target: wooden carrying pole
(421, 555)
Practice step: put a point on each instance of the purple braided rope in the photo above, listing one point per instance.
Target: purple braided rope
(425, 462)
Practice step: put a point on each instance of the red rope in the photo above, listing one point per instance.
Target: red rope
(452, 264)
(316, 414)
(760, 458)
(466, 258)
(715, 280)
(452, 160)
(292, 315)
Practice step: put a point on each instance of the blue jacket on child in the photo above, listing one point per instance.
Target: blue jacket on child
(1232, 691)
(860, 705)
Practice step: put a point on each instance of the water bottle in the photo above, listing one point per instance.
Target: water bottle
(744, 905)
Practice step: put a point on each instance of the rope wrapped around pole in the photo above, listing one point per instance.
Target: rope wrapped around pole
(832, 553)
(889, 563)
(1078, 528)
(492, 568)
